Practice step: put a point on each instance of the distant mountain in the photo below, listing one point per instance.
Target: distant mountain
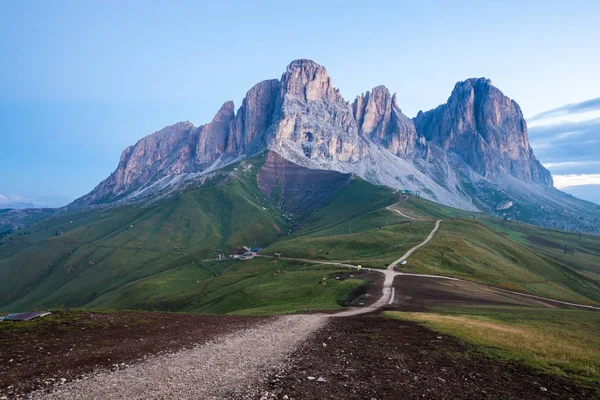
(12, 220)
(472, 152)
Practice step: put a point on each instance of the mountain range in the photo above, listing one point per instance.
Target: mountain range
(471, 153)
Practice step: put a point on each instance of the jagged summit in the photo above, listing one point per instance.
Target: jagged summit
(471, 152)
(486, 129)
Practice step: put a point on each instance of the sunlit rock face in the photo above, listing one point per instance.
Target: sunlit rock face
(471, 152)
(305, 118)
(380, 120)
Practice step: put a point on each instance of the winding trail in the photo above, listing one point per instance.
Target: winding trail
(398, 211)
(408, 253)
(234, 362)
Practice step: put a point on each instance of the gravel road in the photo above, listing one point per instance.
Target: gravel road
(215, 370)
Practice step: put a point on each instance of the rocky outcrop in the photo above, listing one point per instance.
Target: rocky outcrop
(314, 118)
(304, 118)
(486, 129)
(379, 119)
(166, 152)
(249, 129)
(213, 137)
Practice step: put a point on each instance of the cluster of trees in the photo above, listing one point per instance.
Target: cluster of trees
(5, 232)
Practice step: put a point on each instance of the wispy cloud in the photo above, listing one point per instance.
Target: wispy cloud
(570, 180)
(569, 109)
(571, 164)
(565, 119)
(565, 139)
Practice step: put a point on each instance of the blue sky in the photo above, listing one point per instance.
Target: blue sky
(81, 80)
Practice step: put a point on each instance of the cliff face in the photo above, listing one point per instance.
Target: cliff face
(486, 129)
(313, 117)
(304, 118)
(213, 137)
(302, 111)
(379, 119)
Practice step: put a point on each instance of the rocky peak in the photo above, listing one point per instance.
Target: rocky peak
(304, 118)
(213, 137)
(486, 129)
(254, 117)
(307, 80)
(225, 113)
(379, 119)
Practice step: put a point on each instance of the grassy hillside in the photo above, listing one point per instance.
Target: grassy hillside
(258, 286)
(103, 250)
(472, 250)
(374, 248)
(583, 251)
(154, 256)
(355, 227)
(151, 256)
(358, 207)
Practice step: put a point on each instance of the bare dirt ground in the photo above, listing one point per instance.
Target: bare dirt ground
(415, 293)
(372, 357)
(228, 364)
(69, 346)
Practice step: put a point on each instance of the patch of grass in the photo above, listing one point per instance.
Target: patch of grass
(471, 250)
(258, 286)
(583, 251)
(426, 209)
(559, 341)
(59, 319)
(374, 248)
(358, 207)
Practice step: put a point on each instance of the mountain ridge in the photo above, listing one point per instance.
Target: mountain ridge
(466, 153)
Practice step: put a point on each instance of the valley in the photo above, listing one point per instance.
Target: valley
(307, 247)
(420, 262)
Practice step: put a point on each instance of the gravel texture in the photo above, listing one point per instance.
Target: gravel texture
(215, 370)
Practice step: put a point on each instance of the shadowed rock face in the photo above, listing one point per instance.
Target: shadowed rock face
(486, 129)
(212, 138)
(249, 129)
(297, 189)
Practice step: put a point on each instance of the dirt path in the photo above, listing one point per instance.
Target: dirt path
(549, 300)
(408, 253)
(215, 370)
(390, 274)
(400, 212)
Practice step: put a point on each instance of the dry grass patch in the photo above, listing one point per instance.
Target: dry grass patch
(559, 346)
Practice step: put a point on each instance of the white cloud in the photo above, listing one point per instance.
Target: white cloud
(562, 119)
(570, 164)
(3, 199)
(564, 181)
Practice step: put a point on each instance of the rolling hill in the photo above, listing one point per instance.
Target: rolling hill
(161, 255)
